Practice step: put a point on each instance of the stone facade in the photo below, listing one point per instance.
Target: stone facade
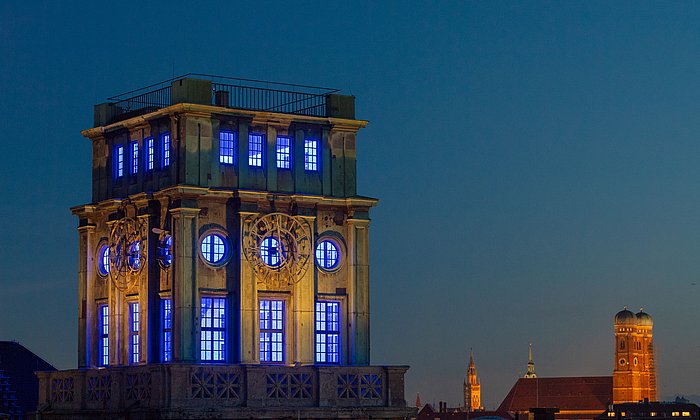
(185, 209)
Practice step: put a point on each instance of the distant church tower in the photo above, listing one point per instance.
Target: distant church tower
(634, 375)
(530, 366)
(472, 388)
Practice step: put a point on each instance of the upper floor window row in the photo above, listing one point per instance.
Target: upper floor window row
(256, 151)
(132, 155)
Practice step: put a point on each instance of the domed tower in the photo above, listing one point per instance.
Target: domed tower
(472, 388)
(634, 375)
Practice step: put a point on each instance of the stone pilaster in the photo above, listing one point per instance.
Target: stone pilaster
(184, 284)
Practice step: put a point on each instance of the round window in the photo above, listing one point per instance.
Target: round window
(327, 254)
(271, 251)
(135, 255)
(214, 249)
(103, 260)
(165, 251)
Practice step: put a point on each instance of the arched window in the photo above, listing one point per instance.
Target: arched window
(622, 344)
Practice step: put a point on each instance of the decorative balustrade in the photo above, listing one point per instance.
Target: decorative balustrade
(216, 387)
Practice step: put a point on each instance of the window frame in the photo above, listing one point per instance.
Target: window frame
(166, 329)
(226, 244)
(228, 159)
(321, 335)
(149, 157)
(206, 355)
(311, 165)
(166, 150)
(280, 154)
(118, 161)
(266, 255)
(256, 162)
(102, 254)
(270, 353)
(102, 335)
(134, 333)
(133, 158)
(338, 251)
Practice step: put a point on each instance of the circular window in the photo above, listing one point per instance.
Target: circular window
(103, 260)
(165, 251)
(214, 249)
(135, 255)
(327, 254)
(271, 251)
(622, 362)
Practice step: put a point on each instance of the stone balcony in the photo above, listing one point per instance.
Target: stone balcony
(224, 391)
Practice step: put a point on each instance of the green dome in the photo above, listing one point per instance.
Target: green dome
(625, 317)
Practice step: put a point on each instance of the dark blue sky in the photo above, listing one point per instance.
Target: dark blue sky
(537, 165)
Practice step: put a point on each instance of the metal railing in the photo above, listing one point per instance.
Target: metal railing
(229, 92)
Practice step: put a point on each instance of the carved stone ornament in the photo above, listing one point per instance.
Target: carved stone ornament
(278, 247)
(127, 252)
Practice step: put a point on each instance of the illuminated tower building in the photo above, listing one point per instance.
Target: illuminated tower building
(530, 366)
(472, 388)
(224, 259)
(634, 375)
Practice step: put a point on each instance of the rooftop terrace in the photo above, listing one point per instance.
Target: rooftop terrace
(228, 92)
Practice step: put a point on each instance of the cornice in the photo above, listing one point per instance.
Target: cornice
(258, 117)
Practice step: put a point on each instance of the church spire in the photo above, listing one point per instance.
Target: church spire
(530, 366)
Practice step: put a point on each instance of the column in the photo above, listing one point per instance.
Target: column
(184, 284)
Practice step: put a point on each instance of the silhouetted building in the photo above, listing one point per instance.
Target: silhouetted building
(445, 413)
(18, 384)
(224, 259)
(647, 410)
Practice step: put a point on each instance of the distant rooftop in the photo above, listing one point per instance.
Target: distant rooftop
(229, 92)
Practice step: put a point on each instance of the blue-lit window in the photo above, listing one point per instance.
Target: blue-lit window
(165, 147)
(150, 154)
(311, 155)
(134, 157)
(271, 251)
(103, 260)
(226, 147)
(284, 154)
(103, 335)
(119, 161)
(327, 255)
(272, 331)
(213, 329)
(166, 319)
(135, 255)
(214, 249)
(165, 251)
(134, 321)
(327, 332)
(255, 150)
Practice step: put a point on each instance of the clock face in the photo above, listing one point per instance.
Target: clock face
(278, 247)
(126, 254)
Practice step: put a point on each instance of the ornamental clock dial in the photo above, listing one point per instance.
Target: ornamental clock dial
(278, 247)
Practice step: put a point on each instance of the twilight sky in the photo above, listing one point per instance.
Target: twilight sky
(537, 166)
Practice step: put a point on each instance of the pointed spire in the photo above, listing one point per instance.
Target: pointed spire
(471, 358)
(530, 366)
